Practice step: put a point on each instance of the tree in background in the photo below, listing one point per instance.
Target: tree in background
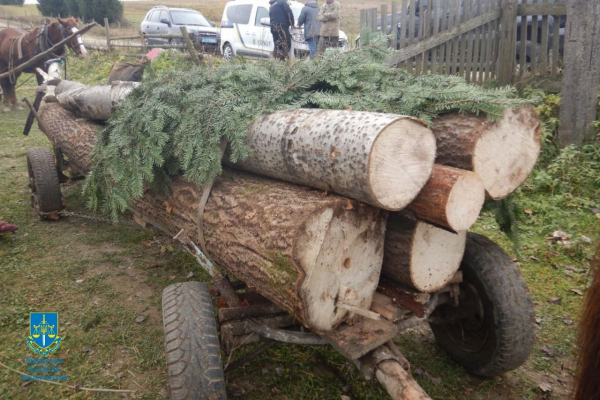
(52, 8)
(73, 8)
(100, 9)
(12, 2)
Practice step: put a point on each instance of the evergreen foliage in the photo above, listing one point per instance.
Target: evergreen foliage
(53, 8)
(100, 9)
(174, 124)
(12, 2)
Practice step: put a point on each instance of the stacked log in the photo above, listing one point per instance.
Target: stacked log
(306, 252)
(317, 256)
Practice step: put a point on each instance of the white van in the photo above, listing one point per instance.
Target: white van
(242, 32)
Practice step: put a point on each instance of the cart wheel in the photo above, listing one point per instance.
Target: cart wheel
(43, 181)
(492, 329)
(193, 351)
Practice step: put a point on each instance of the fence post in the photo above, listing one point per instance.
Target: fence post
(581, 73)
(363, 19)
(106, 25)
(508, 42)
(394, 25)
(190, 45)
(374, 22)
(144, 45)
(384, 19)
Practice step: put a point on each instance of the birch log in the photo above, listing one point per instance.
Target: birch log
(420, 255)
(381, 159)
(451, 198)
(96, 102)
(306, 252)
(66, 85)
(502, 153)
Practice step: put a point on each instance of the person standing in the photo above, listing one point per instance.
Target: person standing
(282, 18)
(329, 15)
(312, 27)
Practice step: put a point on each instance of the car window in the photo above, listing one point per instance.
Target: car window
(181, 17)
(239, 14)
(154, 16)
(164, 14)
(261, 12)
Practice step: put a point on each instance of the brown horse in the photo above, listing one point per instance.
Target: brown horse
(17, 47)
(587, 385)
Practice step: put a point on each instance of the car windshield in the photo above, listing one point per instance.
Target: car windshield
(188, 18)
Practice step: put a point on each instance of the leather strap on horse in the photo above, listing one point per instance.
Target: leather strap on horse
(204, 199)
(14, 41)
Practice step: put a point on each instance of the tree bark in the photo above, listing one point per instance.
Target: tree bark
(65, 85)
(380, 159)
(451, 198)
(502, 153)
(96, 102)
(420, 255)
(302, 250)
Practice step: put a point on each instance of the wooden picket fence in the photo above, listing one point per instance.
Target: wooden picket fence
(475, 39)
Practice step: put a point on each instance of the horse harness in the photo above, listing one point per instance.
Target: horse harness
(43, 43)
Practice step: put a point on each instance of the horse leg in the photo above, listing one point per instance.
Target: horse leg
(5, 90)
(13, 93)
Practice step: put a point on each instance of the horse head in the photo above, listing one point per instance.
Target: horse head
(64, 28)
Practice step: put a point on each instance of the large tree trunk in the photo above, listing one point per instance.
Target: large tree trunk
(451, 198)
(381, 159)
(420, 255)
(502, 153)
(95, 102)
(306, 252)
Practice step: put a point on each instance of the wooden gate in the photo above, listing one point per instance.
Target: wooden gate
(476, 39)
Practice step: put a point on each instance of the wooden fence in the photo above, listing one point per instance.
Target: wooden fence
(476, 39)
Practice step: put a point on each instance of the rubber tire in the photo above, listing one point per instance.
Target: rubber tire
(228, 46)
(41, 166)
(508, 319)
(193, 353)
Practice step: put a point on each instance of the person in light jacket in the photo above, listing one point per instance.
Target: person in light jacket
(329, 15)
(282, 18)
(312, 27)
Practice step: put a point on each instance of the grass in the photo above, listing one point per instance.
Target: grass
(125, 269)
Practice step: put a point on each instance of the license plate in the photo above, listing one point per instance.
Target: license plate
(209, 40)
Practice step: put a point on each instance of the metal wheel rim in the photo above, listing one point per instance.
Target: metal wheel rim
(467, 326)
(227, 53)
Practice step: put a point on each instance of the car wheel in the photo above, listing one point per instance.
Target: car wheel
(228, 52)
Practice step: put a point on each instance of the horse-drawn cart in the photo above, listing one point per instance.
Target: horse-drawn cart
(482, 317)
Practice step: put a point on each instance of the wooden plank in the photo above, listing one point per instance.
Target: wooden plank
(493, 40)
(506, 52)
(544, 45)
(477, 38)
(581, 72)
(394, 25)
(452, 8)
(365, 335)
(368, 20)
(523, 46)
(411, 33)
(479, 56)
(534, 35)
(419, 37)
(443, 37)
(444, 27)
(125, 38)
(456, 41)
(555, 44)
(374, 19)
(384, 25)
(190, 45)
(107, 27)
(542, 9)
(437, 15)
(363, 19)
(462, 57)
(470, 42)
(385, 306)
(403, 24)
(426, 34)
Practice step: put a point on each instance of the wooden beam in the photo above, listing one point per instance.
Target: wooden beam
(507, 51)
(190, 45)
(581, 74)
(542, 9)
(436, 40)
(107, 27)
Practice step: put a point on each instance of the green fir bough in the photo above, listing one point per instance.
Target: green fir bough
(174, 124)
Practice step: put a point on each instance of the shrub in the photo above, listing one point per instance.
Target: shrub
(53, 8)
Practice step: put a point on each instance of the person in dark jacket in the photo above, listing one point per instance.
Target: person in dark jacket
(312, 27)
(282, 18)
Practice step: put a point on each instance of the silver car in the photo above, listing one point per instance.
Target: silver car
(166, 20)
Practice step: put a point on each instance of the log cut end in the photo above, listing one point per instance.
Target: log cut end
(465, 201)
(400, 163)
(507, 152)
(340, 252)
(420, 255)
